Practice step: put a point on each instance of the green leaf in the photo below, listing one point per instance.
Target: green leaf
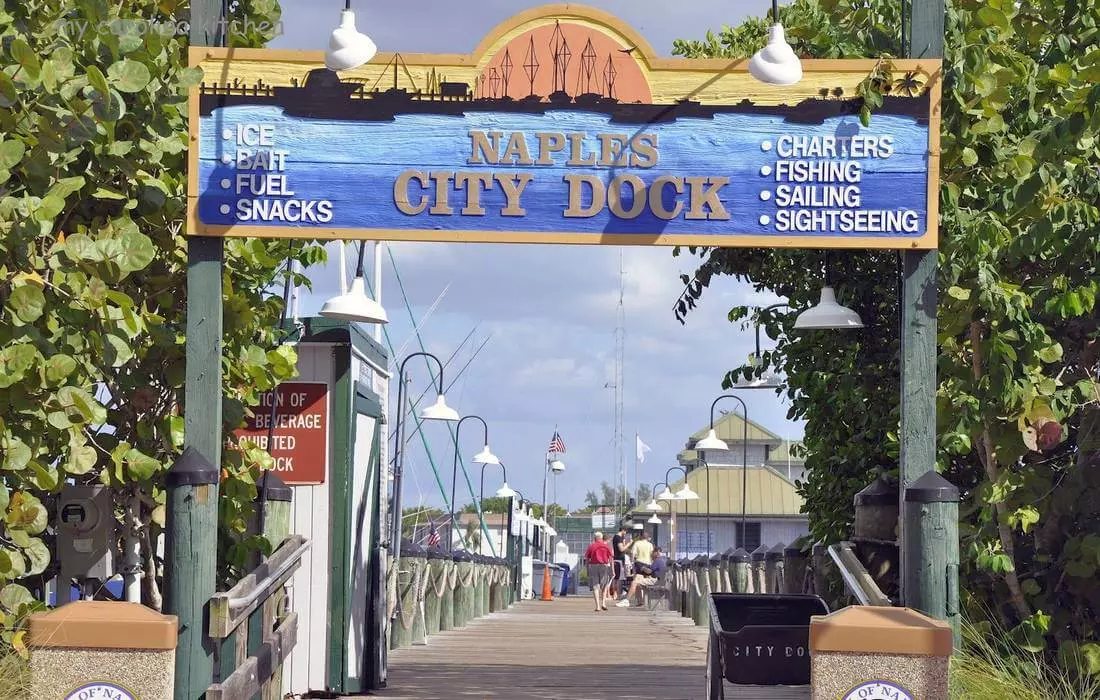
(117, 350)
(11, 153)
(66, 186)
(1051, 353)
(141, 466)
(104, 193)
(49, 209)
(129, 76)
(58, 367)
(43, 477)
(26, 57)
(14, 597)
(969, 157)
(137, 252)
(96, 79)
(16, 456)
(27, 302)
(81, 459)
(78, 399)
(865, 116)
(38, 555)
(958, 293)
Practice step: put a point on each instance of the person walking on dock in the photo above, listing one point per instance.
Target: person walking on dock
(619, 546)
(598, 558)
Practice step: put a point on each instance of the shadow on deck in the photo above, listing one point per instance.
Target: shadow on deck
(557, 650)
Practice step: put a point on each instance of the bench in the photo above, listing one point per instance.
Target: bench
(656, 594)
(759, 645)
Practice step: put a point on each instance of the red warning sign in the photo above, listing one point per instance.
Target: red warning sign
(300, 441)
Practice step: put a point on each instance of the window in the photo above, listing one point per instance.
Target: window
(748, 537)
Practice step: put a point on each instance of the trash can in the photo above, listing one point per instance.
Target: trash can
(566, 578)
(759, 639)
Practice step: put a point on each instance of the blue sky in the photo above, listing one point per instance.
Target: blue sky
(549, 313)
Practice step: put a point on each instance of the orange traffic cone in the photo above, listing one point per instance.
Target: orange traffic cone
(547, 593)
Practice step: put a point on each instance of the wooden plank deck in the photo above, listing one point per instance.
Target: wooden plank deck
(559, 650)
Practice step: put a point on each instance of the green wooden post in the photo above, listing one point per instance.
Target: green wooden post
(918, 338)
(447, 600)
(190, 565)
(688, 608)
(757, 577)
(463, 595)
(483, 588)
(418, 635)
(714, 574)
(701, 610)
(795, 561)
(773, 569)
(437, 586)
(740, 570)
(932, 509)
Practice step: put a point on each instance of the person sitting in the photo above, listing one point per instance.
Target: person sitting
(648, 575)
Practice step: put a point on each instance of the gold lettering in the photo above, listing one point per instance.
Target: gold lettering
(442, 180)
(657, 199)
(549, 143)
(513, 186)
(577, 158)
(401, 192)
(615, 194)
(576, 183)
(645, 151)
(611, 150)
(473, 183)
(482, 151)
(704, 192)
(517, 152)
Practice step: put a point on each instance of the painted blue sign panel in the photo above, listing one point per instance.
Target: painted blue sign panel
(331, 157)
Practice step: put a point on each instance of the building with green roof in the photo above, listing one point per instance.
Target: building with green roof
(765, 488)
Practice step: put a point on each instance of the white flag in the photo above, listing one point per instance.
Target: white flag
(642, 448)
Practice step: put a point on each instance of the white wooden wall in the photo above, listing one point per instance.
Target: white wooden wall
(309, 588)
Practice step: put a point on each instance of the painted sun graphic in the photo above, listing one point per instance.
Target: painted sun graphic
(562, 61)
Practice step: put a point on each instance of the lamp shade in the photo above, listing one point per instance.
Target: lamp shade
(557, 466)
(439, 411)
(776, 63)
(348, 48)
(666, 495)
(686, 494)
(654, 519)
(827, 315)
(486, 457)
(505, 491)
(711, 442)
(653, 505)
(355, 306)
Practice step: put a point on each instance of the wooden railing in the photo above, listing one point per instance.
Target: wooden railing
(252, 628)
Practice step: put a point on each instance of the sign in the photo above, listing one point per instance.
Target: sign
(878, 690)
(300, 441)
(100, 691)
(563, 126)
(604, 518)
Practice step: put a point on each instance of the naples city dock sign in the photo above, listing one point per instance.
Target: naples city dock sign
(563, 126)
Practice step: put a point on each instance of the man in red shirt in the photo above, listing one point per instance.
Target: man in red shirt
(598, 558)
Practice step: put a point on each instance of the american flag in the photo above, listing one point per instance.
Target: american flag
(556, 443)
(433, 537)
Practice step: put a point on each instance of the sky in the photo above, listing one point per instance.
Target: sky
(544, 317)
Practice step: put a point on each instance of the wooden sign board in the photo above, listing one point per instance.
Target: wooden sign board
(300, 440)
(563, 126)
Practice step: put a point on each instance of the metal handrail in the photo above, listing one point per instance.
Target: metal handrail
(856, 579)
(273, 577)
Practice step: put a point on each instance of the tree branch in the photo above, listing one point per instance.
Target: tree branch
(985, 454)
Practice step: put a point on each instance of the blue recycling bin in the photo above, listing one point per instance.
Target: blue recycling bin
(566, 577)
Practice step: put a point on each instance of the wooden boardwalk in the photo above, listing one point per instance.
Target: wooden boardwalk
(560, 650)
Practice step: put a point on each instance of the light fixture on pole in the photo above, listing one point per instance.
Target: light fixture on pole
(684, 494)
(827, 314)
(653, 505)
(711, 442)
(776, 63)
(399, 454)
(653, 519)
(503, 492)
(485, 456)
(348, 48)
(354, 305)
(666, 495)
(744, 462)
